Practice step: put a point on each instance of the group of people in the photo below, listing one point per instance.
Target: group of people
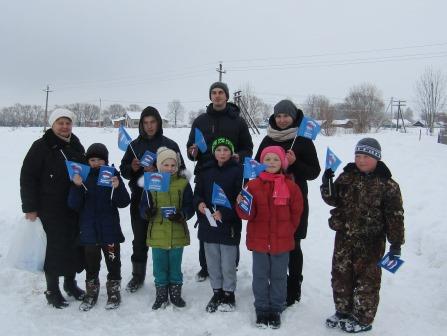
(81, 218)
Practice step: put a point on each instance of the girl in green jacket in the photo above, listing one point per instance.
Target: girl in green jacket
(168, 231)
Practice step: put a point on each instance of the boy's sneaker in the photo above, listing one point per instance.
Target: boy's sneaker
(334, 320)
(262, 320)
(275, 320)
(353, 326)
(215, 301)
(228, 302)
(202, 275)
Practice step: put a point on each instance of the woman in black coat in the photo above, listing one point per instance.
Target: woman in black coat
(44, 187)
(303, 167)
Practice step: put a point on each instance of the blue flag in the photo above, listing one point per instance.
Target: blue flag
(157, 181)
(199, 140)
(124, 138)
(391, 265)
(252, 168)
(77, 168)
(148, 159)
(105, 176)
(167, 211)
(309, 128)
(218, 197)
(332, 161)
(247, 201)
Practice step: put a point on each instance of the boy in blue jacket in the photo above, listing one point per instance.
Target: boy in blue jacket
(99, 226)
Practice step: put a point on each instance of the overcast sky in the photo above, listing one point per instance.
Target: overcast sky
(151, 52)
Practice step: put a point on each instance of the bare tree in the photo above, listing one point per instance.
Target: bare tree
(134, 107)
(176, 111)
(194, 114)
(256, 108)
(431, 95)
(116, 110)
(366, 106)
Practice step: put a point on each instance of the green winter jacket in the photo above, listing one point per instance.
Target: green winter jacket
(162, 233)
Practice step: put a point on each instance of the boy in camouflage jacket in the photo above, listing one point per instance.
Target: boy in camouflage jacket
(368, 209)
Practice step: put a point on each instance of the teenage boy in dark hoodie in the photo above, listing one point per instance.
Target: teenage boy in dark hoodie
(151, 138)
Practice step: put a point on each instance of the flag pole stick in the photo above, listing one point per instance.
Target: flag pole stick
(293, 141)
(133, 151)
(111, 194)
(331, 183)
(84, 186)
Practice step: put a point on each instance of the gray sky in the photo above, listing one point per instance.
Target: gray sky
(151, 52)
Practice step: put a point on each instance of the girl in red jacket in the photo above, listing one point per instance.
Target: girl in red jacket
(273, 219)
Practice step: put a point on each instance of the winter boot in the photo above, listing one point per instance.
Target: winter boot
(262, 320)
(353, 326)
(91, 295)
(215, 301)
(228, 302)
(161, 299)
(275, 320)
(293, 291)
(53, 293)
(334, 320)
(202, 275)
(175, 295)
(138, 276)
(72, 289)
(113, 294)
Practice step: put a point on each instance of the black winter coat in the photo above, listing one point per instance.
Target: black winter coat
(98, 214)
(305, 168)
(229, 178)
(44, 187)
(140, 145)
(227, 123)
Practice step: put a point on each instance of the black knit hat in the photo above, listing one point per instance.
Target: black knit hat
(98, 150)
(222, 86)
(222, 142)
(370, 147)
(287, 107)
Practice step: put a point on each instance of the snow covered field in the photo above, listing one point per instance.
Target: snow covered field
(413, 302)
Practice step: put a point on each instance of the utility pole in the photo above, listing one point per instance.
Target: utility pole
(47, 90)
(248, 119)
(100, 121)
(220, 71)
(400, 104)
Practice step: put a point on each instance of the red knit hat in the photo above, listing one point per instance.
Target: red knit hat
(278, 150)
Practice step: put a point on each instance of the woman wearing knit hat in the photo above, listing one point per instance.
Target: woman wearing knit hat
(221, 242)
(168, 233)
(44, 186)
(303, 166)
(367, 210)
(274, 217)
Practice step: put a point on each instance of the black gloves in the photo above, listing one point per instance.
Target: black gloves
(176, 217)
(394, 251)
(328, 174)
(150, 213)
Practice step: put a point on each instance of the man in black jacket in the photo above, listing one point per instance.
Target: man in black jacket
(222, 119)
(151, 138)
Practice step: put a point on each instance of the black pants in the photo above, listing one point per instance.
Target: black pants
(93, 261)
(296, 262)
(139, 229)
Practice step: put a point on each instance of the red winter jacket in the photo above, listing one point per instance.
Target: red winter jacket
(270, 227)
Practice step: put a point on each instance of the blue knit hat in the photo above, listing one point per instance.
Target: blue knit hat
(370, 147)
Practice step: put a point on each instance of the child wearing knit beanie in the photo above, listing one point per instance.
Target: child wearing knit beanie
(275, 213)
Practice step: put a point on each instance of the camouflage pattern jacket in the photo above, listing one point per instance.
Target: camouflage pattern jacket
(367, 206)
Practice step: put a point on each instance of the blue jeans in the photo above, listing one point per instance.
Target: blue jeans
(167, 266)
(270, 281)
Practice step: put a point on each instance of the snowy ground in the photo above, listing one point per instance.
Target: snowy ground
(413, 302)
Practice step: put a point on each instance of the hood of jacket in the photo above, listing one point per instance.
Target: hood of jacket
(380, 171)
(150, 112)
(232, 110)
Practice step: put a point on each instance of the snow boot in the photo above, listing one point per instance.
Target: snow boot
(91, 295)
(72, 289)
(161, 299)
(275, 320)
(138, 276)
(175, 295)
(228, 302)
(353, 326)
(334, 320)
(53, 293)
(202, 275)
(215, 301)
(262, 320)
(113, 294)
